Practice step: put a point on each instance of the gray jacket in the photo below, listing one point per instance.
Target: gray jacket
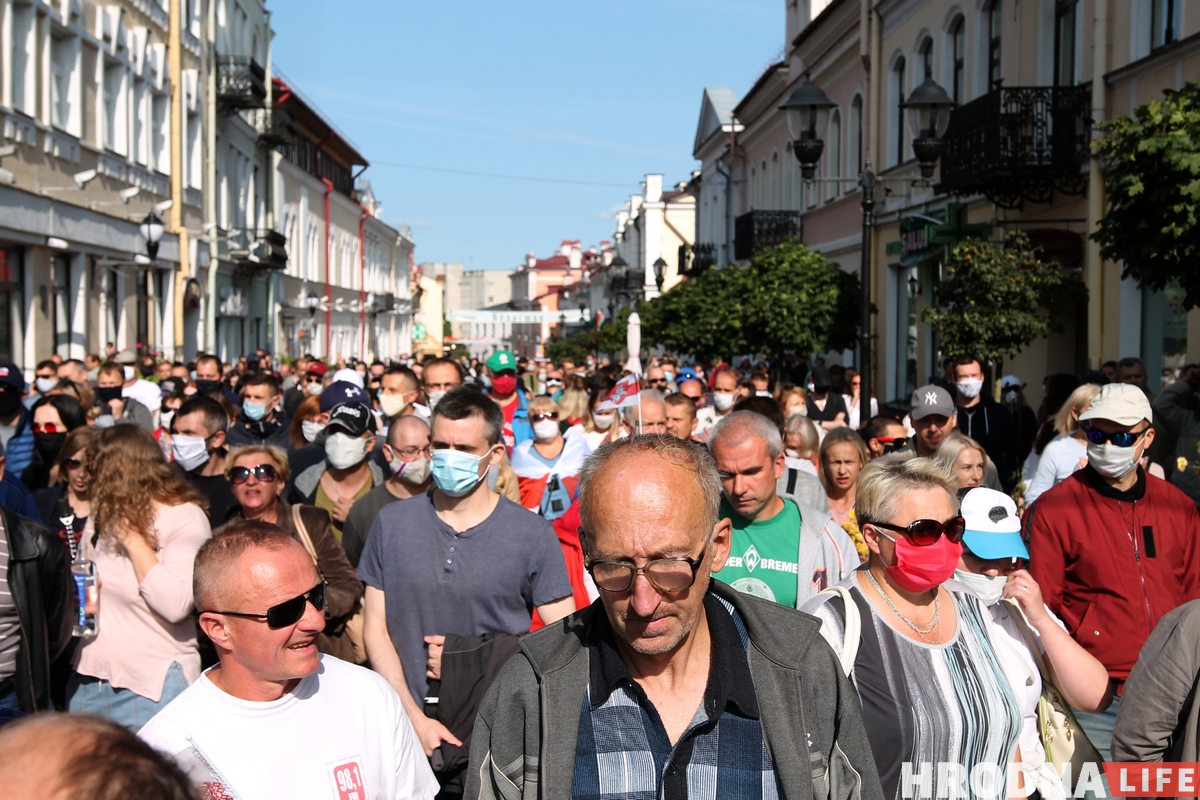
(304, 485)
(1159, 717)
(526, 732)
(827, 554)
(802, 487)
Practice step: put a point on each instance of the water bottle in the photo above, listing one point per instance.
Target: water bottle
(87, 598)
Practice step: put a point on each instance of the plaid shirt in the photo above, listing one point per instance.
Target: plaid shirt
(623, 750)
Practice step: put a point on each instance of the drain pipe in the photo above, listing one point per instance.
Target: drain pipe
(362, 278)
(1094, 272)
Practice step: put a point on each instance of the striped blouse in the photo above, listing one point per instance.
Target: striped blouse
(934, 714)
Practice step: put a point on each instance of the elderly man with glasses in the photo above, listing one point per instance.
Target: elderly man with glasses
(275, 718)
(652, 690)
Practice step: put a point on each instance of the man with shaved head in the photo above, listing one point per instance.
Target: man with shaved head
(648, 691)
(275, 718)
(781, 550)
(651, 417)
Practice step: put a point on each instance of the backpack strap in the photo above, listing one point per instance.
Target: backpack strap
(852, 629)
(791, 484)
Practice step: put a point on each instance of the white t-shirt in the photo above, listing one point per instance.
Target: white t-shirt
(341, 734)
(145, 392)
(1059, 460)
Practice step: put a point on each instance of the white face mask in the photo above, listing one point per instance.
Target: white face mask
(130, 372)
(1112, 461)
(392, 404)
(988, 589)
(312, 429)
(190, 451)
(969, 388)
(45, 384)
(434, 397)
(411, 472)
(344, 451)
(723, 401)
(603, 420)
(165, 418)
(545, 430)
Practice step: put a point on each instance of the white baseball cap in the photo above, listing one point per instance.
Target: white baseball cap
(1122, 403)
(993, 527)
(350, 376)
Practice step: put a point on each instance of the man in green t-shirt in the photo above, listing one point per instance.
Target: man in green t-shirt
(779, 550)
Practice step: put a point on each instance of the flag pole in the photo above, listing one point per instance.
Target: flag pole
(639, 402)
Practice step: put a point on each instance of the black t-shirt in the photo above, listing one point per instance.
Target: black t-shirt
(219, 495)
(834, 405)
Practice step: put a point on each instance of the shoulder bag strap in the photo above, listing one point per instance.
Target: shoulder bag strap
(791, 484)
(302, 534)
(1023, 625)
(852, 628)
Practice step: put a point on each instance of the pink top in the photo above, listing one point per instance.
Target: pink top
(144, 627)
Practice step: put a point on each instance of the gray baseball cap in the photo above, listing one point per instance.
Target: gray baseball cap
(930, 400)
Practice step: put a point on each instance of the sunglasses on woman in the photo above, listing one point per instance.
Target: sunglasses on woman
(925, 532)
(1120, 439)
(264, 472)
(72, 463)
(47, 427)
(544, 416)
(286, 613)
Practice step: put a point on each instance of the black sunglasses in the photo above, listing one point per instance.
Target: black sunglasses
(1120, 439)
(286, 613)
(264, 472)
(541, 417)
(925, 532)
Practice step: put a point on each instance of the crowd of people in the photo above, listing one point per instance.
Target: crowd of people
(510, 577)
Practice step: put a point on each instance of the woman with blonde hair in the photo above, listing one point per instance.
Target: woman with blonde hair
(1063, 454)
(147, 523)
(573, 404)
(599, 427)
(548, 465)
(792, 398)
(965, 460)
(258, 475)
(843, 454)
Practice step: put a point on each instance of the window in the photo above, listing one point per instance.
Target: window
(24, 97)
(159, 133)
(856, 136)
(114, 108)
(1164, 22)
(141, 122)
(957, 46)
(926, 53)
(192, 162)
(834, 154)
(62, 63)
(1066, 14)
(995, 23)
(898, 84)
(11, 294)
(62, 306)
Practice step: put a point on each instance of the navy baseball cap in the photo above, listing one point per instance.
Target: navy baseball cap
(685, 374)
(342, 392)
(353, 418)
(11, 376)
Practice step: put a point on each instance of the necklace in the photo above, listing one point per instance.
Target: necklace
(936, 622)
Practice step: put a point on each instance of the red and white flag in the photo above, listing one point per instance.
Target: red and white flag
(624, 394)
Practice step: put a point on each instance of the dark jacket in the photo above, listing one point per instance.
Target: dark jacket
(1112, 564)
(39, 578)
(246, 432)
(526, 734)
(18, 453)
(304, 486)
(990, 424)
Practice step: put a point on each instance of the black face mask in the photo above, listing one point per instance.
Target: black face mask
(48, 445)
(10, 401)
(106, 394)
(147, 371)
(207, 387)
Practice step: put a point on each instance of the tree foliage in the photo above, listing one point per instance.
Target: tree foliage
(788, 298)
(609, 338)
(995, 299)
(1153, 185)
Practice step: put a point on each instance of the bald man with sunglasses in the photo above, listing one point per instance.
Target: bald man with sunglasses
(275, 718)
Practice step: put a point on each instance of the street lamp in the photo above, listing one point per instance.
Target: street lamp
(807, 110)
(313, 302)
(807, 114)
(659, 267)
(928, 110)
(152, 232)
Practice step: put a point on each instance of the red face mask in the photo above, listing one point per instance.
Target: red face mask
(919, 569)
(504, 385)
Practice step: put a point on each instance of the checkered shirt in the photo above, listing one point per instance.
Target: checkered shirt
(623, 750)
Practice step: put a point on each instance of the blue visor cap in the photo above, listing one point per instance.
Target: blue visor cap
(990, 545)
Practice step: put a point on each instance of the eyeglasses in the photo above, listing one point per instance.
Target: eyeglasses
(72, 463)
(665, 574)
(1120, 439)
(924, 532)
(264, 472)
(544, 416)
(411, 452)
(48, 427)
(286, 613)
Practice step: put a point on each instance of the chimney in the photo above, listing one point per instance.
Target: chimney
(654, 184)
(565, 248)
(574, 256)
(530, 260)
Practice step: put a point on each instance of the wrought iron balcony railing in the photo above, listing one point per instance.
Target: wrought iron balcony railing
(241, 83)
(258, 249)
(1019, 143)
(275, 127)
(694, 259)
(758, 230)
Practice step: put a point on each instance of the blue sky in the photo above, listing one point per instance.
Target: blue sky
(596, 92)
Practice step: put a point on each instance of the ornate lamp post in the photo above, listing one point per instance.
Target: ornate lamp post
(152, 232)
(928, 109)
(807, 115)
(659, 267)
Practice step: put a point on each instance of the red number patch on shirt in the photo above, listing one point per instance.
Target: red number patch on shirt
(348, 780)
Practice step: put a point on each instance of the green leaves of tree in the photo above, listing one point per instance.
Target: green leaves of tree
(993, 300)
(1152, 179)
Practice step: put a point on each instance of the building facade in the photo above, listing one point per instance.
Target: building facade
(655, 225)
(537, 285)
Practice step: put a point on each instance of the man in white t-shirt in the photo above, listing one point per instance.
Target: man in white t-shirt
(145, 392)
(276, 718)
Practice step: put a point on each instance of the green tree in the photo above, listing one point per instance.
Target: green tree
(609, 338)
(788, 298)
(1152, 180)
(994, 299)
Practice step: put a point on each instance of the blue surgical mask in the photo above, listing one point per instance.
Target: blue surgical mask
(254, 411)
(455, 473)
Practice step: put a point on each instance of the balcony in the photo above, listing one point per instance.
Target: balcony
(758, 230)
(255, 250)
(241, 83)
(694, 259)
(275, 127)
(1019, 143)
